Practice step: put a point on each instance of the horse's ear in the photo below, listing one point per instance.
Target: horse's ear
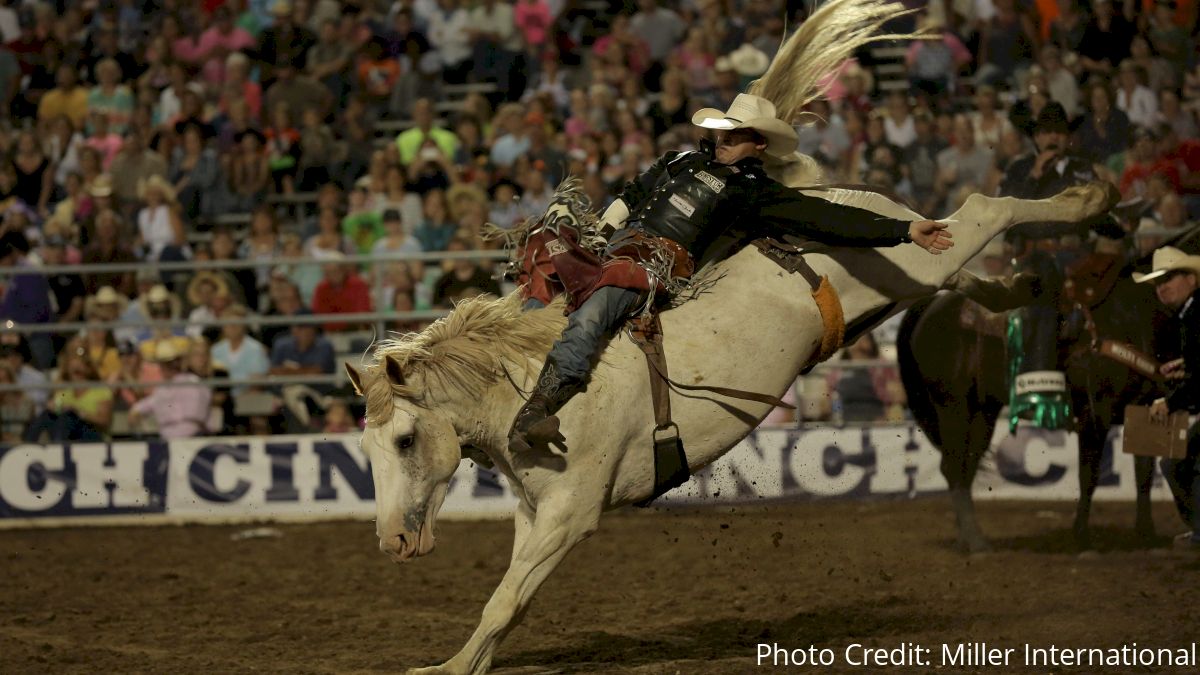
(392, 367)
(355, 379)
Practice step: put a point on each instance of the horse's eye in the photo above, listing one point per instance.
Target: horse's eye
(405, 442)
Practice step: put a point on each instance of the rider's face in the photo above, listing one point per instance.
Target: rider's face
(734, 146)
(1051, 140)
(1175, 288)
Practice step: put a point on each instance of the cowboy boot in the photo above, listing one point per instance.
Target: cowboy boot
(536, 423)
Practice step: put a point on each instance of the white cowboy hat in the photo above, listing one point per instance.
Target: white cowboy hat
(158, 293)
(1168, 259)
(752, 112)
(102, 185)
(105, 296)
(156, 182)
(166, 351)
(749, 60)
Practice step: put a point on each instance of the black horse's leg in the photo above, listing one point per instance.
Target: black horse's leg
(1091, 447)
(1143, 469)
(959, 467)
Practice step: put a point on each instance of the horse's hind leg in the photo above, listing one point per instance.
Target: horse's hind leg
(560, 522)
(1143, 469)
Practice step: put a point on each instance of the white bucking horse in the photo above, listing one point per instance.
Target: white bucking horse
(431, 394)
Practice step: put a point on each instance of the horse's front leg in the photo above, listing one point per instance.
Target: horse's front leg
(559, 523)
(1143, 469)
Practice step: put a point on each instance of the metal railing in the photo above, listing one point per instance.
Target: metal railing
(377, 318)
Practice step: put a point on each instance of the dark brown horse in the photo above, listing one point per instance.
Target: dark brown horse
(956, 381)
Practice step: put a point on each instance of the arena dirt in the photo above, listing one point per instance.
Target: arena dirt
(661, 592)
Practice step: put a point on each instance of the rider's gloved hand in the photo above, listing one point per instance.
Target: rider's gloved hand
(614, 218)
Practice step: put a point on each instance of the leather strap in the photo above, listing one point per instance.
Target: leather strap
(833, 321)
(643, 333)
(788, 256)
(1130, 357)
(670, 460)
(647, 335)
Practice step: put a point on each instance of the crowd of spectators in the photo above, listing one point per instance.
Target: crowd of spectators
(260, 130)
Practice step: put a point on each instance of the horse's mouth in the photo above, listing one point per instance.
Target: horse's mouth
(411, 545)
(415, 540)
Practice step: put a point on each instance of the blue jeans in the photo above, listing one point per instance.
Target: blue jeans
(1184, 478)
(588, 327)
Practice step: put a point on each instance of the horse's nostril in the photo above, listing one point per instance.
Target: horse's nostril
(392, 544)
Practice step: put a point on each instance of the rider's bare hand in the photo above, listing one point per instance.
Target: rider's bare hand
(1173, 370)
(930, 235)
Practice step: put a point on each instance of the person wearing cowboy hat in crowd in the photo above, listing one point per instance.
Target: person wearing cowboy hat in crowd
(1042, 173)
(133, 314)
(1176, 279)
(181, 410)
(692, 200)
(159, 306)
(130, 371)
(209, 295)
(160, 225)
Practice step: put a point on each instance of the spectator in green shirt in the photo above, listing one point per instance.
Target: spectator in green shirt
(409, 141)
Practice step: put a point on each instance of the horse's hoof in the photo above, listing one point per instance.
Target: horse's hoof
(443, 669)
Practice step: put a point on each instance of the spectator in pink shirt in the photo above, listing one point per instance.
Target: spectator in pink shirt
(636, 51)
(237, 85)
(533, 20)
(180, 411)
(219, 41)
(103, 140)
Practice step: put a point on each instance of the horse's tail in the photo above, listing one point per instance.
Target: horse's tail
(920, 402)
(827, 38)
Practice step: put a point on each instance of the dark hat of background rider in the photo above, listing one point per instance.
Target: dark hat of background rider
(1053, 119)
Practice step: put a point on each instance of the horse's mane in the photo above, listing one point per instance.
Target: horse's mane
(462, 352)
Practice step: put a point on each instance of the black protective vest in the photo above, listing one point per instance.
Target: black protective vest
(682, 204)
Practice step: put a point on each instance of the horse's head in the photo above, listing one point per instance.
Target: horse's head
(413, 451)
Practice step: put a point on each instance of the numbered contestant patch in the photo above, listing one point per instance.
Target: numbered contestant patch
(711, 181)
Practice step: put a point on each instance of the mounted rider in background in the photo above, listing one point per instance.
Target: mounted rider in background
(1047, 250)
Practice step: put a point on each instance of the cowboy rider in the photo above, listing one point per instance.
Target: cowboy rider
(687, 201)
(1048, 170)
(1176, 279)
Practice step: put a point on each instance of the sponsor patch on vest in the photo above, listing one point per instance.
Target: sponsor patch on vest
(711, 181)
(684, 206)
(556, 247)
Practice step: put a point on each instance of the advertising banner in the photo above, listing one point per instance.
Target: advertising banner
(325, 477)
